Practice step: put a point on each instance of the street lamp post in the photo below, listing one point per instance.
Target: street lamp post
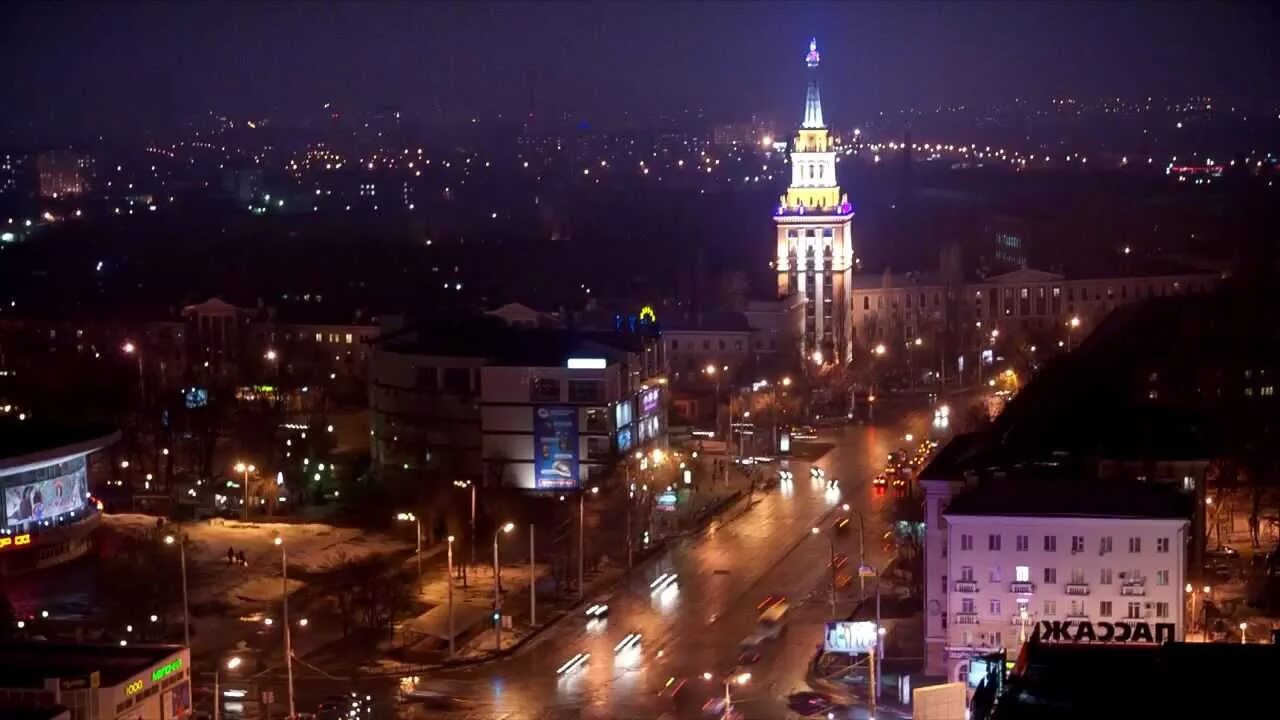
(1072, 325)
(288, 636)
(244, 471)
(128, 348)
(582, 558)
(449, 570)
(417, 524)
(186, 607)
(729, 680)
(497, 582)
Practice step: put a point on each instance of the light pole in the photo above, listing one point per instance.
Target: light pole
(288, 637)
(469, 484)
(712, 371)
(1072, 325)
(417, 524)
(497, 582)
(832, 563)
(582, 558)
(128, 348)
(740, 679)
(271, 356)
(449, 570)
(186, 607)
(244, 471)
(862, 549)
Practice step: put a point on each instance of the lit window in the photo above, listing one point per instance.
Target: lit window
(1022, 573)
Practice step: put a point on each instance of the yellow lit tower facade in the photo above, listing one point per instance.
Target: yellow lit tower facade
(815, 249)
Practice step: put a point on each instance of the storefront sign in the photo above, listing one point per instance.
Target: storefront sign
(1075, 631)
(555, 447)
(7, 542)
(166, 670)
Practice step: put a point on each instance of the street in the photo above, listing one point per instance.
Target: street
(696, 626)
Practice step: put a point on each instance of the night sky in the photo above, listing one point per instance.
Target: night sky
(75, 68)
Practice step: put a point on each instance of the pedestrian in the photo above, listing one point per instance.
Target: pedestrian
(231, 555)
(242, 560)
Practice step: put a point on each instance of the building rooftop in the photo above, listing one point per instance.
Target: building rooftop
(26, 440)
(719, 321)
(1169, 680)
(28, 664)
(1040, 492)
(491, 340)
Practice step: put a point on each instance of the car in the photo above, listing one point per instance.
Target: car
(671, 689)
(770, 601)
(880, 480)
(597, 609)
(749, 657)
(841, 524)
(574, 663)
(839, 560)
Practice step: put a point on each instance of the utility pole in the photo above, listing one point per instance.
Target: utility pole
(533, 582)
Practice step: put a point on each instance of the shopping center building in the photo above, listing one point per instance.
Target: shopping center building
(96, 682)
(44, 476)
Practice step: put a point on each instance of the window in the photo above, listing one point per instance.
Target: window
(1162, 577)
(1050, 576)
(1105, 578)
(993, 542)
(964, 670)
(542, 389)
(1134, 610)
(994, 607)
(348, 338)
(706, 344)
(597, 420)
(1162, 545)
(319, 337)
(997, 638)
(968, 605)
(1105, 546)
(1135, 544)
(1104, 608)
(1022, 573)
(675, 345)
(1024, 543)
(1051, 543)
(995, 574)
(1077, 543)
(1077, 576)
(1050, 607)
(966, 573)
(944, 583)
(966, 542)
(586, 391)
(458, 382)
(866, 302)
(721, 342)
(1162, 609)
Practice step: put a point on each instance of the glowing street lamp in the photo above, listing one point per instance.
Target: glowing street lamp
(417, 523)
(288, 638)
(497, 583)
(186, 608)
(270, 355)
(729, 681)
(880, 349)
(244, 471)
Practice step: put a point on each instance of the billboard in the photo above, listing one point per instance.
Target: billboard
(850, 637)
(44, 499)
(555, 447)
(649, 401)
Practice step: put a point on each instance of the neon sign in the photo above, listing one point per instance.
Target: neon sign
(166, 670)
(647, 314)
(133, 688)
(15, 541)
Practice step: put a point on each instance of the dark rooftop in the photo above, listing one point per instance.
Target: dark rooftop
(492, 340)
(1040, 492)
(28, 664)
(1183, 680)
(719, 321)
(19, 438)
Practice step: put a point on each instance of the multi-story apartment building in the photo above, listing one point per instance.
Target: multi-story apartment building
(1055, 559)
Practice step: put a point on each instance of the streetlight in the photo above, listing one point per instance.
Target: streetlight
(270, 355)
(582, 558)
(1243, 627)
(1072, 324)
(712, 372)
(729, 680)
(832, 542)
(449, 560)
(817, 357)
(472, 486)
(288, 639)
(128, 348)
(497, 583)
(880, 349)
(410, 517)
(244, 470)
(186, 608)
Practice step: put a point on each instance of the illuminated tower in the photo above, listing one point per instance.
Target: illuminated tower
(815, 249)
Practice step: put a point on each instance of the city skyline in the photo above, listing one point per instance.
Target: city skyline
(121, 70)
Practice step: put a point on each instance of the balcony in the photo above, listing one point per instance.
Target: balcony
(1022, 588)
(966, 586)
(1133, 589)
(966, 618)
(1076, 588)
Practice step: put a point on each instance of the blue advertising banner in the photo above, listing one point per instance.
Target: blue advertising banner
(555, 448)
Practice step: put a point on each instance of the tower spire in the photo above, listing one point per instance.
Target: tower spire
(812, 100)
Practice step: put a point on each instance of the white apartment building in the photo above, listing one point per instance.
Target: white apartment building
(1012, 559)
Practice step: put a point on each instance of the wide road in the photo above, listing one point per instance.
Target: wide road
(698, 625)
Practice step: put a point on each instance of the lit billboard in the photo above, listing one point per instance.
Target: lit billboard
(45, 499)
(849, 637)
(555, 447)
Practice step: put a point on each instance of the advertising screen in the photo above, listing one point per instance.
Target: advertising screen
(850, 637)
(555, 447)
(649, 402)
(44, 499)
(622, 414)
